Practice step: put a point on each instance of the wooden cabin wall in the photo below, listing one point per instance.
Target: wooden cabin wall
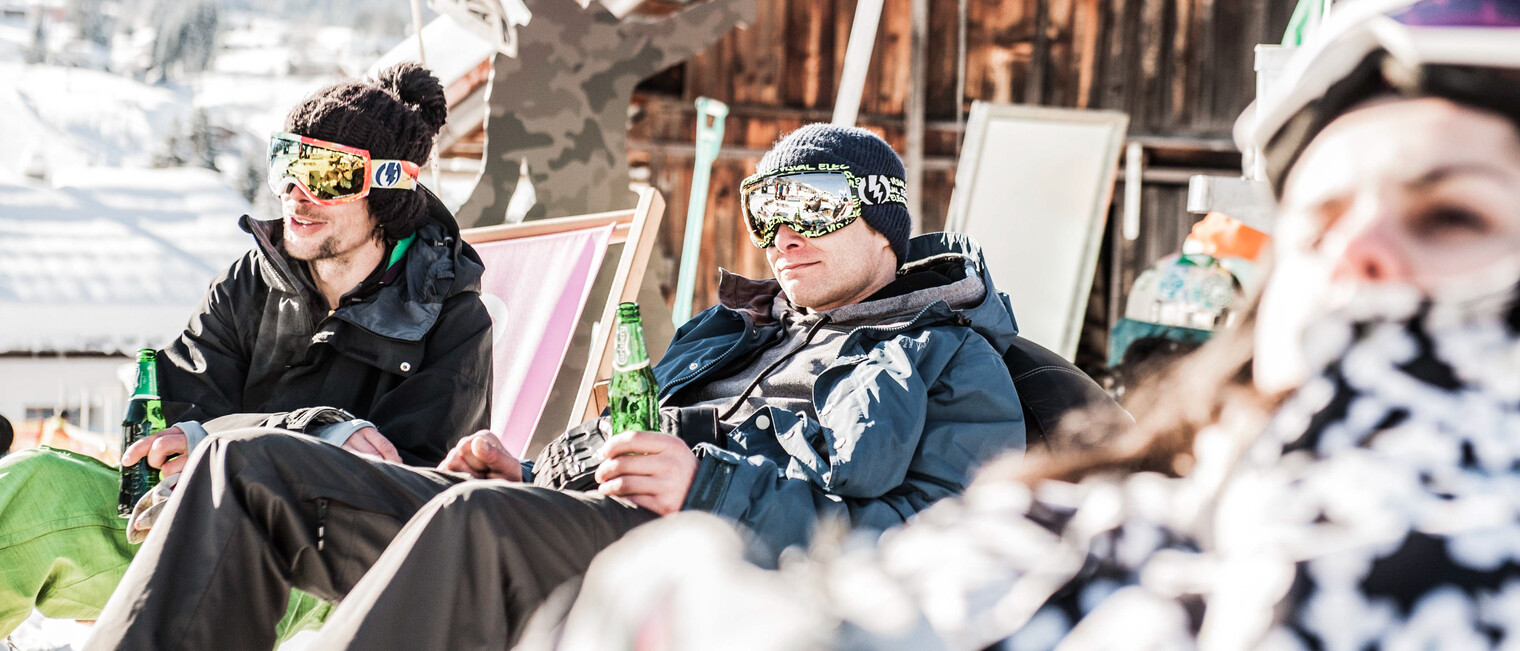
(1182, 69)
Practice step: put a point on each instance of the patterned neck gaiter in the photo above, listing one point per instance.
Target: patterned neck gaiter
(1385, 498)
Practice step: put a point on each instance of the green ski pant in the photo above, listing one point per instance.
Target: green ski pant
(63, 548)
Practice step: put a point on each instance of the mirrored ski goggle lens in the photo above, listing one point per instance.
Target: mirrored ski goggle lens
(325, 173)
(812, 204)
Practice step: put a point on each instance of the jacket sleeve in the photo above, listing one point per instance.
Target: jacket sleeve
(201, 373)
(447, 399)
(890, 443)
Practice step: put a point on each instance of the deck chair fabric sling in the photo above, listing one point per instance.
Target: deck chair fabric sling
(538, 280)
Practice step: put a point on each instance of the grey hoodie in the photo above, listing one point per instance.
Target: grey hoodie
(781, 375)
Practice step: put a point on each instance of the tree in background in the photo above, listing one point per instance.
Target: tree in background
(37, 25)
(95, 19)
(186, 38)
(190, 145)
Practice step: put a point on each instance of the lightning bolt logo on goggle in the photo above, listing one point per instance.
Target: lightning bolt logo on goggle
(387, 174)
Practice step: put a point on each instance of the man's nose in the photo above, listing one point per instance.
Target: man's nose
(1373, 254)
(787, 239)
(292, 191)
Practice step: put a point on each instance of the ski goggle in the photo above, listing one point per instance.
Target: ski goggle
(1460, 13)
(812, 200)
(331, 173)
(1465, 51)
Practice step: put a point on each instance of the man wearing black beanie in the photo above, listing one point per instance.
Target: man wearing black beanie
(861, 385)
(356, 319)
(362, 300)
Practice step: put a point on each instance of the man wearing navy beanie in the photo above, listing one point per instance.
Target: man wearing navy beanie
(864, 155)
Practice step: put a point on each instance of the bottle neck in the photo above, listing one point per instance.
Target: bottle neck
(147, 376)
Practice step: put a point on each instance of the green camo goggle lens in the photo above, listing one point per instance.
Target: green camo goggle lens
(813, 201)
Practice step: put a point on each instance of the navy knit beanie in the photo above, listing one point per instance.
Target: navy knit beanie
(865, 154)
(395, 117)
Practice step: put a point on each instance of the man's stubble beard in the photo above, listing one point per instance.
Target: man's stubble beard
(326, 250)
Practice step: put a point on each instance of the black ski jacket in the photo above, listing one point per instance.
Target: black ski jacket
(409, 349)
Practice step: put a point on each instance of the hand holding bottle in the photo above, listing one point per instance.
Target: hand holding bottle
(164, 450)
(650, 469)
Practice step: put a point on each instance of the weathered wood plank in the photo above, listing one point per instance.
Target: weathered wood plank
(1147, 113)
(1087, 25)
(1182, 68)
(809, 79)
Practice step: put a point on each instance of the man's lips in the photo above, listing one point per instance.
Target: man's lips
(302, 225)
(793, 267)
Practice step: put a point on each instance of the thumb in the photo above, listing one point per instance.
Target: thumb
(486, 447)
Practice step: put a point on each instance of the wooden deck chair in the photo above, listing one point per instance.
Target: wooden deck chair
(538, 280)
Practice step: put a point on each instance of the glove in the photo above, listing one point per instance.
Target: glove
(569, 462)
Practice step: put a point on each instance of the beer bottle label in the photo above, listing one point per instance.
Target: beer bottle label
(622, 350)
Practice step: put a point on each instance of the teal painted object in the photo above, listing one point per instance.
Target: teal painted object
(709, 141)
(1307, 16)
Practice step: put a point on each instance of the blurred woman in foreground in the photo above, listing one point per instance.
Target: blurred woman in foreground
(1343, 472)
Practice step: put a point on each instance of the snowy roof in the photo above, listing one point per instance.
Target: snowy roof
(452, 51)
(109, 260)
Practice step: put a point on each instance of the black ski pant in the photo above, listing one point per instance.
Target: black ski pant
(261, 511)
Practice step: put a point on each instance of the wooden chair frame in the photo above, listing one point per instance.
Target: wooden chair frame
(636, 229)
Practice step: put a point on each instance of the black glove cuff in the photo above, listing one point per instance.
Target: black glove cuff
(693, 425)
(569, 462)
(309, 418)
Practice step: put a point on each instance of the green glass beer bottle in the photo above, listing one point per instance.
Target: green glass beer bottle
(145, 415)
(634, 395)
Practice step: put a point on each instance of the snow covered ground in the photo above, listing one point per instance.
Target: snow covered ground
(42, 634)
(61, 118)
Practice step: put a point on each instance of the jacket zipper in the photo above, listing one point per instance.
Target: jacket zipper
(321, 522)
(744, 395)
(288, 277)
(749, 329)
(680, 381)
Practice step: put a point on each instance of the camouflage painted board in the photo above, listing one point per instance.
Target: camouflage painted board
(561, 104)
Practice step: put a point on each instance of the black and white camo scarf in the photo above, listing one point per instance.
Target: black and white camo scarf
(1389, 484)
(1380, 509)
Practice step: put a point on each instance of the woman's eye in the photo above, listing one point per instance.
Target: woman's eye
(1442, 221)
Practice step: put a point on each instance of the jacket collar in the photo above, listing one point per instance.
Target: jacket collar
(992, 316)
(438, 266)
(744, 295)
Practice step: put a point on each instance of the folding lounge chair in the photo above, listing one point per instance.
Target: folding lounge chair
(538, 279)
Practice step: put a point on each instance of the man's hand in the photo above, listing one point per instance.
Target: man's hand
(158, 447)
(650, 469)
(482, 456)
(370, 443)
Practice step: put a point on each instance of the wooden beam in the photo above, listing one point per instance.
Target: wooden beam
(625, 287)
(915, 109)
(620, 218)
(857, 61)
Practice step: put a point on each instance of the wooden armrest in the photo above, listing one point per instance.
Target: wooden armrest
(599, 394)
